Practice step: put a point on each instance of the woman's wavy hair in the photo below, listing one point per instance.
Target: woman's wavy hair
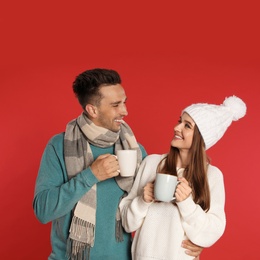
(196, 170)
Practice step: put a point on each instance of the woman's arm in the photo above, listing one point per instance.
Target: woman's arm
(205, 228)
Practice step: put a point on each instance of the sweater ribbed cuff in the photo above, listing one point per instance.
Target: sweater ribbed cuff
(89, 177)
(187, 206)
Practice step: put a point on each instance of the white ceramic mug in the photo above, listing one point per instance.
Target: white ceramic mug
(127, 160)
(165, 186)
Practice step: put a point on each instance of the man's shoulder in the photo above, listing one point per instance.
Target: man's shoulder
(144, 153)
(57, 139)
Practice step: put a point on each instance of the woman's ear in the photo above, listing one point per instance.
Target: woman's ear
(91, 110)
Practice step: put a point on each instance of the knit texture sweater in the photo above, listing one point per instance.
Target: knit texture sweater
(161, 227)
(56, 196)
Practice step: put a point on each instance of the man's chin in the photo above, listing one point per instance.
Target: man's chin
(115, 129)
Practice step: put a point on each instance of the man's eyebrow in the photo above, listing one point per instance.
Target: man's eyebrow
(118, 102)
(115, 103)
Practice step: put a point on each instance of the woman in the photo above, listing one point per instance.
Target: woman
(198, 212)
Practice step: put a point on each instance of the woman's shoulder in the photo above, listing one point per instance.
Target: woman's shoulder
(152, 160)
(154, 157)
(148, 166)
(214, 172)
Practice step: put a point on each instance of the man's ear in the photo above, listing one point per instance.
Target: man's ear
(92, 110)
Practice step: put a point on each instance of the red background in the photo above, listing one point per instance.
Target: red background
(170, 54)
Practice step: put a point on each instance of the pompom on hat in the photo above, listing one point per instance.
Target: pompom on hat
(213, 120)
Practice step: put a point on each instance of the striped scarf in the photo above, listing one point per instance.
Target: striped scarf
(79, 134)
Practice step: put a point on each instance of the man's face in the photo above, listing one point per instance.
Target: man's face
(112, 107)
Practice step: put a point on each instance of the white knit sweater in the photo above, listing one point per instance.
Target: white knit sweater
(161, 227)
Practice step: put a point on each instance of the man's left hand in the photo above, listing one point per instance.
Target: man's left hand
(192, 249)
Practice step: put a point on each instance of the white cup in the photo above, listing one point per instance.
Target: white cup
(127, 160)
(165, 186)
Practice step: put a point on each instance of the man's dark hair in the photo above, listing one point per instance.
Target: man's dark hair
(87, 84)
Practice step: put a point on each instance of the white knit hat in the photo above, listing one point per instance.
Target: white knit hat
(213, 120)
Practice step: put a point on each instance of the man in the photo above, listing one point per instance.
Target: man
(79, 187)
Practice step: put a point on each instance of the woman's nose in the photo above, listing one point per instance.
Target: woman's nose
(177, 128)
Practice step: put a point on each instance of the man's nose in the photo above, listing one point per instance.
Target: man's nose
(124, 110)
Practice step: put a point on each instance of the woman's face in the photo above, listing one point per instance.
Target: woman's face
(183, 133)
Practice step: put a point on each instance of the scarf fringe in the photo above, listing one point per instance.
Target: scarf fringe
(119, 231)
(77, 250)
(80, 240)
(78, 226)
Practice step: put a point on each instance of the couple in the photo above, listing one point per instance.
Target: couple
(80, 191)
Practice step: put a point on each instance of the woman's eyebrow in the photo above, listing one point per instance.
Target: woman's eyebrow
(188, 122)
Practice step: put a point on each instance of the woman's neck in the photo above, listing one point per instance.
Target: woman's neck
(183, 159)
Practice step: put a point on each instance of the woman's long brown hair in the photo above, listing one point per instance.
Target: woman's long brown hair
(195, 172)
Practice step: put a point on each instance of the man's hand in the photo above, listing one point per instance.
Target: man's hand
(192, 249)
(105, 166)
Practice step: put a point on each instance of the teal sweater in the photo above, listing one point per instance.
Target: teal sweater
(55, 198)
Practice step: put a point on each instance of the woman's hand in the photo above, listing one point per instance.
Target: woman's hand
(183, 190)
(148, 195)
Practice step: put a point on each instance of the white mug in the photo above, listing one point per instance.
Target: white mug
(165, 186)
(127, 160)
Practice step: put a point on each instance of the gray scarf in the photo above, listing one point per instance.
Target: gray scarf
(79, 134)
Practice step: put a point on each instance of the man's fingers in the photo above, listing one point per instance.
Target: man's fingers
(192, 249)
(102, 156)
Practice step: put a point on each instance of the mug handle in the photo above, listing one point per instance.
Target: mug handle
(173, 198)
